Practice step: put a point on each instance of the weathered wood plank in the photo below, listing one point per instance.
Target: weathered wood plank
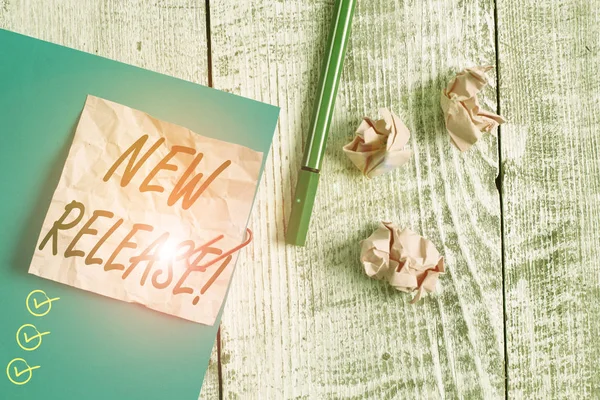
(210, 387)
(167, 36)
(306, 322)
(550, 89)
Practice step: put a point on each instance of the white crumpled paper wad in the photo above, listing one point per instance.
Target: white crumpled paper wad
(408, 261)
(378, 146)
(465, 120)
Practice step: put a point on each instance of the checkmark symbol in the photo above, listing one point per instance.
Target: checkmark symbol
(43, 303)
(29, 339)
(34, 305)
(29, 369)
(16, 376)
(22, 334)
(38, 336)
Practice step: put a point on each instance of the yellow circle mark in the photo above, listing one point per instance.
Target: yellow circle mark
(47, 303)
(16, 374)
(28, 338)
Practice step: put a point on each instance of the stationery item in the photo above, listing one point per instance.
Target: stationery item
(60, 342)
(465, 120)
(378, 146)
(308, 177)
(409, 262)
(148, 212)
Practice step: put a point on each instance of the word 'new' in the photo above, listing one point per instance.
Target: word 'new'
(185, 185)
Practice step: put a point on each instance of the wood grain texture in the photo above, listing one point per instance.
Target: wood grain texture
(167, 36)
(210, 386)
(549, 56)
(306, 323)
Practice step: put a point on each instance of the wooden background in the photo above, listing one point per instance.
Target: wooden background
(517, 218)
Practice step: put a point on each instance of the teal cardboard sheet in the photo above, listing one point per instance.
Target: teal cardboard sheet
(98, 348)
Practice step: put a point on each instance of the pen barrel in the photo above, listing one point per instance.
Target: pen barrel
(328, 84)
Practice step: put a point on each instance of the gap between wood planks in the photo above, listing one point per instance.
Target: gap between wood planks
(210, 84)
(499, 186)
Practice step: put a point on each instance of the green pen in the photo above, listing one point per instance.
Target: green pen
(308, 178)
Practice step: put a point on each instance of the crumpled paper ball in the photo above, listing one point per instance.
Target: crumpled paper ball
(465, 120)
(378, 146)
(408, 261)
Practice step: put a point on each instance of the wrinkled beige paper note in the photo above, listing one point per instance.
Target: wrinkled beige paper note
(142, 208)
(378, 146)
(465, 120)
(408, 261)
